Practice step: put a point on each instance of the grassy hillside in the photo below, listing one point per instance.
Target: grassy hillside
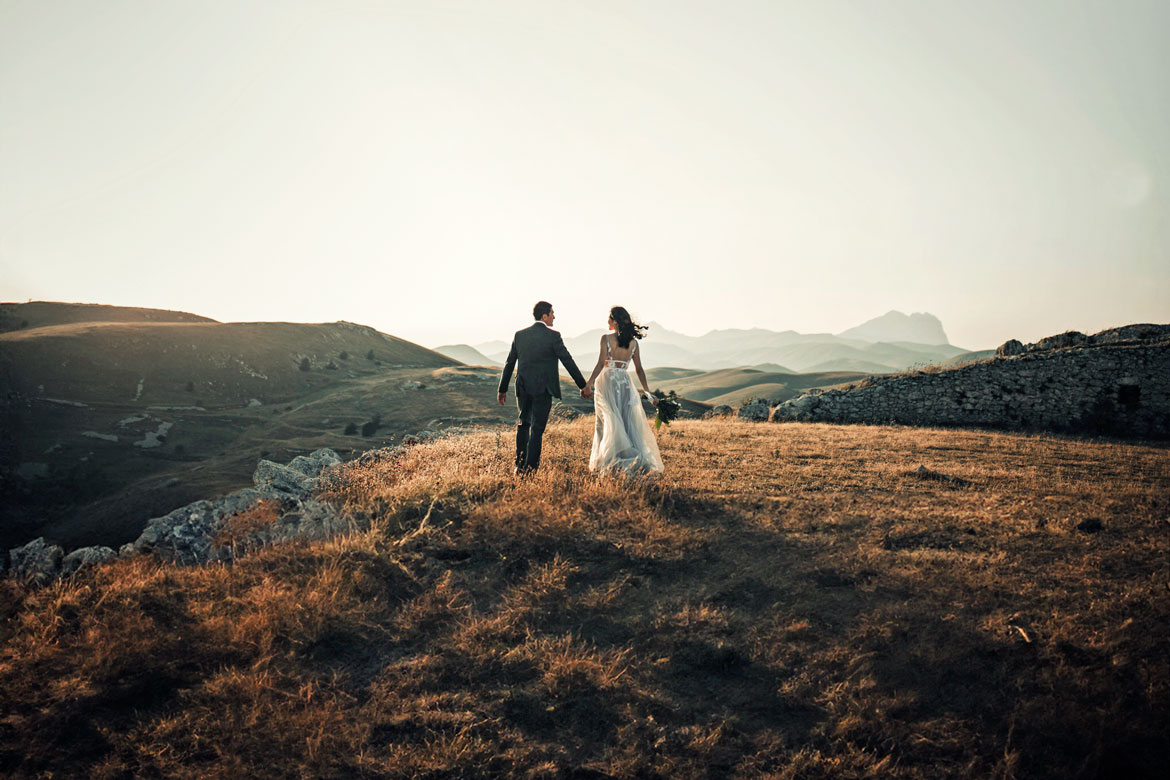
(733, 385)
(109, 423)
(788, 601)
(465, 354)
(37, 314)
(225, 363)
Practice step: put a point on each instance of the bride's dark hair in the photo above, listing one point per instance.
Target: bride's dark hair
(628, 330)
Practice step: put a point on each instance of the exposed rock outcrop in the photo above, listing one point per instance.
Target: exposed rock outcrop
(85, 556)
(1115, 382)
(36, 560)
(189, 534)
(196, 533)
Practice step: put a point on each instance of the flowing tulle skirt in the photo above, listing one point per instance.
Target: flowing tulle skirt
(623, 441)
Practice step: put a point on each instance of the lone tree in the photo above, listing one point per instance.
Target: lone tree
(344, 355)
(190, 387)
(370, 355)
(305, 364)
(351, 429)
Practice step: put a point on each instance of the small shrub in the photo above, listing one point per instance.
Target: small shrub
(190, 387)
(331, 366)
(371, 427)
(351, 429)
(305, 364)
(344, 355)
(370, 355)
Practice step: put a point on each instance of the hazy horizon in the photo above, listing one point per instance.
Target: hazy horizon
(433, 170)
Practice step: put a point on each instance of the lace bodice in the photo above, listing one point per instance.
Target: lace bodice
(610, 362)
(623, 442)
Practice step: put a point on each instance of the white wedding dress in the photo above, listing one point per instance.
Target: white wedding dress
(623, 442)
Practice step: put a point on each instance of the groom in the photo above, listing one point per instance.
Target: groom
(536, 349)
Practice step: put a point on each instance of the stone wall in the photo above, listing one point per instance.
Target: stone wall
(1100, 385)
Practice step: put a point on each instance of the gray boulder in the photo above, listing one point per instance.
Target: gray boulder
(36, 560)
(756, 410)
(276, 481)
(298, 478)
(314, 463)
(1009, 348)
(184, 534)
(722, 410)
(85, 556)
(801, 408)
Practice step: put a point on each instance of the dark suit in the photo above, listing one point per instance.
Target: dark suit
(534, 354)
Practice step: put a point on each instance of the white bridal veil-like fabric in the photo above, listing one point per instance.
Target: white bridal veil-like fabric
(623, 441)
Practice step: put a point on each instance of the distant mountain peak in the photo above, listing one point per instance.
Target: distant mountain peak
(918, 328)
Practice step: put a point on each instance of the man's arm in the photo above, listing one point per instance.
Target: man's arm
(506, 377)
(563, 355)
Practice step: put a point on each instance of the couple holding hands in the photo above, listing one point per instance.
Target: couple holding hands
(623, 441)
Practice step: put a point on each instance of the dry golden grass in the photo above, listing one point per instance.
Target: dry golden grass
(787, 601)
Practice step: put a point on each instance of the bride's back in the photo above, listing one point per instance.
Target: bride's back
(618, 355)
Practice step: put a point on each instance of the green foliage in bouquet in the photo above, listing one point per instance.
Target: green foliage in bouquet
(668, 408)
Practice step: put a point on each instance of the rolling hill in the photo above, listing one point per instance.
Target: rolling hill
(883, 345)
(107, 423)
(37, 314)
(733, 386)
(466, 354)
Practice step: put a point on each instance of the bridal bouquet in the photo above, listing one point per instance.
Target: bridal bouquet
(668, 409)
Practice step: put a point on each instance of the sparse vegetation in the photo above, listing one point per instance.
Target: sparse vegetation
(789, 600)
(371, 427)
(330, 366)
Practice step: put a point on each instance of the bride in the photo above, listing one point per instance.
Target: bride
(622, 439)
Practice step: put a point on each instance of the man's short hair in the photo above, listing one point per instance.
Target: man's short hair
(540, 309)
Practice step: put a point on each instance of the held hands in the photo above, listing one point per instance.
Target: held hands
(587, 391)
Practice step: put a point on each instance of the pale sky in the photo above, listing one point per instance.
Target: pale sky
(433, 168)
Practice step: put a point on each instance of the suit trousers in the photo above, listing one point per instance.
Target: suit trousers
(530, 426)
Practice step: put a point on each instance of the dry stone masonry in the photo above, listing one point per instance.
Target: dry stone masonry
(1116, 382)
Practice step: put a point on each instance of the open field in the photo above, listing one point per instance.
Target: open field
(789, 600)
(735, 386)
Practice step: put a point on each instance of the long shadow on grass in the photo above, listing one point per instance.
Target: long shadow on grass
(802, 646)
(62, 735)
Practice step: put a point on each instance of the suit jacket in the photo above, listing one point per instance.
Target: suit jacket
(534, 354)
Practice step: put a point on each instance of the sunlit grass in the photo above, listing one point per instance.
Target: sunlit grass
(786, 599)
